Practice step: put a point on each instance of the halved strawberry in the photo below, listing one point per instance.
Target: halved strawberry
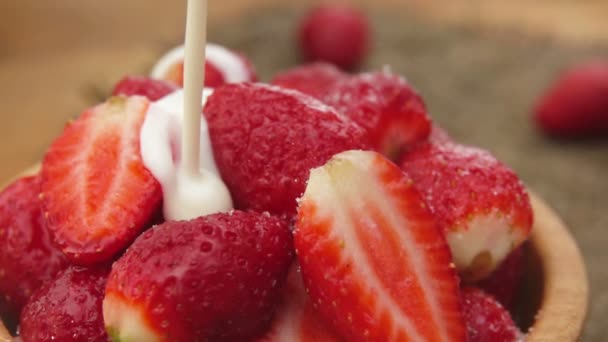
(96, 192)
(373, 259)
(297, 320)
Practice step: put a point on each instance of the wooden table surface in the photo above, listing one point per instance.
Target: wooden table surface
(55, 56)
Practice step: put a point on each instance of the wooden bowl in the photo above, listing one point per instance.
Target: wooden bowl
(554, 298)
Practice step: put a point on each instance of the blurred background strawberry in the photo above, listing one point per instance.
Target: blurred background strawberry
(489, 70)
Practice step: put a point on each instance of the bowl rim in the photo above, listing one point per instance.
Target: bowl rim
(565, 296)
(565, 292)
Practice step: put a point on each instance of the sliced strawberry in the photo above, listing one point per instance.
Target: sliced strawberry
(386, 106)
(479, 202)
(96, 191)
(373, 259)
(296, 319)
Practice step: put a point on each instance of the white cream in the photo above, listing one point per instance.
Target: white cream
(231, 66)
(160, 139)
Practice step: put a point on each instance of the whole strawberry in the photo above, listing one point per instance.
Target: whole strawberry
(314, 79)
(96, 191)
(215, 278)
(153, 89)
(67, 308)
(480, 203)
(266, 139)
(577, 104)
(390, 111)
(27, 256)
(486, 319)
(337, 34)
(374, 260)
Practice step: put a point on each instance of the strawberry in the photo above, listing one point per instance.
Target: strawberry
(577, 103)
(439, 135)
(505, 281)
(27, 257)
(486, 319)
(214, 278)
(480, 203)
(67, 308)
(385, 105)
(96, 192)
(266, 139)
(175, 75)
(314, 79)
(143, 86)
(337, 34)
(373, 259)
(221, 66)
(296, 319)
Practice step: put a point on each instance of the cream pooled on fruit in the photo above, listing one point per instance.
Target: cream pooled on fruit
(184, 197)
(227, 62)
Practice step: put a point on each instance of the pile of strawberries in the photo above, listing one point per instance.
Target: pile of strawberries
(356, 219)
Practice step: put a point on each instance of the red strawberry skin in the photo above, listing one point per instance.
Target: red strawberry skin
(96, 192)
(266, 139)
(314, 79)
(373, 259)
(504, 283)
(577, 104)
(214, 278)
(390, 111)
(150, 88)
(486, 319)
(439, 135)
(296, 320)
(337, 34)
(213, 75)
(462, 184)
(67, 308)
(27, 256)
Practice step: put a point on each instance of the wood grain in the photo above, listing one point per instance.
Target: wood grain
(566, 290)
